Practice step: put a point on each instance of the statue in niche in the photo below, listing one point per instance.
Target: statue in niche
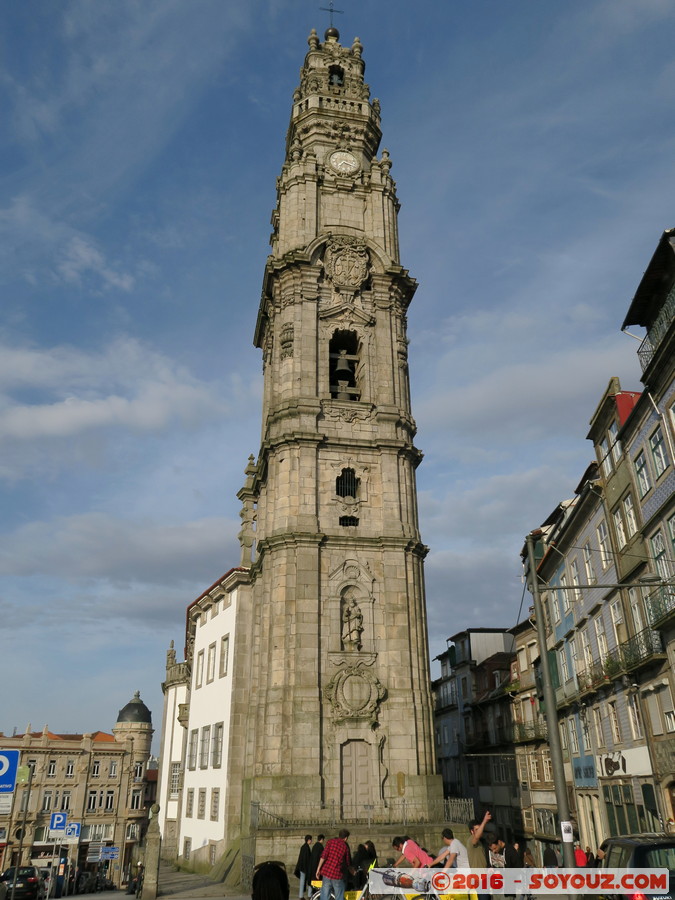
(352, 621)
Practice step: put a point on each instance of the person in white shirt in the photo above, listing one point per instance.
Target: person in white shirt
(453, 852)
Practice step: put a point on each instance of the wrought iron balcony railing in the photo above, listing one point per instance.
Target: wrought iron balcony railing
(661, 604)
(643, 647)
(657, 332)
(529, 731)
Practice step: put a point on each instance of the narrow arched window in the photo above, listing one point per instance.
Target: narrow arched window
(343, 365)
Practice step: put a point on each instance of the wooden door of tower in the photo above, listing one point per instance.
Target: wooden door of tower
(355, 787)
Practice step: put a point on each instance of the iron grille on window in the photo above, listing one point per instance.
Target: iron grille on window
(347, 484)
(348, 520)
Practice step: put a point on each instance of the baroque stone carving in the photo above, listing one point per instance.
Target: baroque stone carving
(286, 341)
(346, 262)
(346, 412)
(354, 692)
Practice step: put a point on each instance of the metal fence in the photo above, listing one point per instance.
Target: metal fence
(398, 812)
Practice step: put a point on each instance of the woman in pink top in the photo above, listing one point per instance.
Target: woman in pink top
(416, 856)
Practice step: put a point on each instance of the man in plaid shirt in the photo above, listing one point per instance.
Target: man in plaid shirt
(334, 862)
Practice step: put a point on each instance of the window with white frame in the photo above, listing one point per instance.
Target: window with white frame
(217, 745)
(614, 443)
(92, 797)
(600, 636)
(603, 544)
(96, 768)
(556, 606)
(224, 654)
(616, 612)
(671, 534)
(659, 453)
(597, 727)
(642, 473)
(585, 734)
(587, 656)
(563, 735)
(562, 664)
(564, 594)
(605, 458)
(199, 669)
(70, 768)
(574, 737)
(636, 608)
(113, 768)
(576, 581)
(192, 748)
(634, 717)
(574, 654)
(174, 783)
(211, 663)
(629, 515)
(659, 554)
(65, 800)
(47, 799)
(51, 769)
(588, 563)
(534, 767)
(547, 765)
(204, 747)
(614, 722)
(136, 799)
(619, 530)
(110, 800)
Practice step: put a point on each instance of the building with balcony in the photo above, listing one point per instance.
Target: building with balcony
(607, 562)
(99, 780)
(539, 815)
(473, 720)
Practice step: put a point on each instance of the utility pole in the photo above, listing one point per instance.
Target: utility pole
(554, 743)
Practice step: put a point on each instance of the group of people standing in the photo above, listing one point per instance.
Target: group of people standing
(332, 862)
(333, 865)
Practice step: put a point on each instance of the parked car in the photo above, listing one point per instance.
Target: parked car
(641, 851)
(30, 885)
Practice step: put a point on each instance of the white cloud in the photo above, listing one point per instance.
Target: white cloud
(50, 396)
(95, 545)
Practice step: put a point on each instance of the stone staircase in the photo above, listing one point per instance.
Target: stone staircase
(173, 882)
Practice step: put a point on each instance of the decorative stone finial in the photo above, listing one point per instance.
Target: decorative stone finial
(386, 161)
(313, 40)
(357, 48)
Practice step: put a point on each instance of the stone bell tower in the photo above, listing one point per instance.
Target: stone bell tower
(338, 705)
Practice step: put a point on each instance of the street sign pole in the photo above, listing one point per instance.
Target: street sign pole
(20, 776)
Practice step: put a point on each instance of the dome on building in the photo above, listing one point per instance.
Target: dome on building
(135, 712)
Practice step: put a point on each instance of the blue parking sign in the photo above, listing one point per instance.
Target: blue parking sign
(9, 763)
(58, 821)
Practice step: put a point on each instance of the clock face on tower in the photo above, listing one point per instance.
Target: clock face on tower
(343, 162)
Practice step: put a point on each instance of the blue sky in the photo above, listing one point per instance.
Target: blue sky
(533, 149)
